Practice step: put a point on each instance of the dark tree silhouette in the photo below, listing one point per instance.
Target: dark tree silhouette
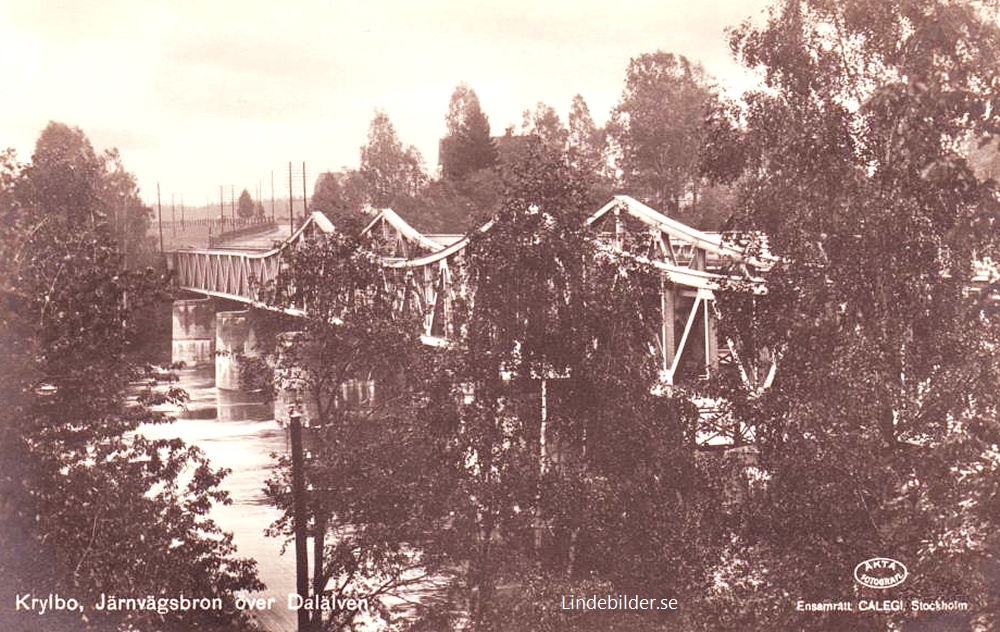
(467, 147)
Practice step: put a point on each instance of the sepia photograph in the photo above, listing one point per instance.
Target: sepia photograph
(509, 316)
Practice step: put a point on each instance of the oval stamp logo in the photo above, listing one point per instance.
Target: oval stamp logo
(880, 572)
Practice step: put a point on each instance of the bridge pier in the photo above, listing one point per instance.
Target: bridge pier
(193, 339)
(234, 336)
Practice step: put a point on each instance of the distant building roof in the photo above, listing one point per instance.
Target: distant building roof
(512, 146)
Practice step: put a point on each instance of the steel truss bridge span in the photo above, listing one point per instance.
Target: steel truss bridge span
(428, 274)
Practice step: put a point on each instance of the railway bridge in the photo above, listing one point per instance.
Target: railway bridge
(693, 266)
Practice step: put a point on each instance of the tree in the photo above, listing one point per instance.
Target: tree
(446, 466)
(245, 206)
(580, 144)
(876, 436)
(129, 219)
(466, 147)
(326, 196)
(64, 175)
(658, 130)
(449, 206)
(341, 197)
(390, 172)
(544, 124)
(571, 436)
(350, 367)
(586, 147)
(88, 508)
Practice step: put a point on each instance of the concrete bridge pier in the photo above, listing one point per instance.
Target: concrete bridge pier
(193, 339)
(234, 337)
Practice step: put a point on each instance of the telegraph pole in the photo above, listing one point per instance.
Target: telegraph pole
(173, 215)
(272, 195)
(291, 216)
(299, 507)
(159, 215)
(305, 198)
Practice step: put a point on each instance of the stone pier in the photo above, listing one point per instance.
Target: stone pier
(234, 336)
(193, 339)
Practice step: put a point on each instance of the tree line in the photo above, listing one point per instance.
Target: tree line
(86, 506)
(650, 148)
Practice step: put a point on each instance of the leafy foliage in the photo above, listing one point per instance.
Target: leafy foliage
(452, 471)
(372, 471)
(618, 471)
(87, 507)
(389, 171)
(455, 206)
(586, 148)
(876, 438)
(341, 197)
(543, 123)
(658, 131)
(68, 177)
(467, 147)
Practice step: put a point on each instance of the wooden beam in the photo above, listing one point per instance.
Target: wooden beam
(668, 312)
(687, 331)
(711, 344)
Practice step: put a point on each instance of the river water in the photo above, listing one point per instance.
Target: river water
(238, 432)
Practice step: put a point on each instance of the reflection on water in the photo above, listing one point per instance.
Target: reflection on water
(238, 432)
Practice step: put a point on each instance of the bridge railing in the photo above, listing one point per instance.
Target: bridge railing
(241, 230)
(234, 274)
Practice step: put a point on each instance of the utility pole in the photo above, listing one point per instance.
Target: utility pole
(305, 198)
(182, 213)
(159, 215)
(222, 209)
(173, 215)
(272, 195)
(299, 507)
(291, 216)
(232, 203)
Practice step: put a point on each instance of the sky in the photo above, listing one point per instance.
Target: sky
(201, 93)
